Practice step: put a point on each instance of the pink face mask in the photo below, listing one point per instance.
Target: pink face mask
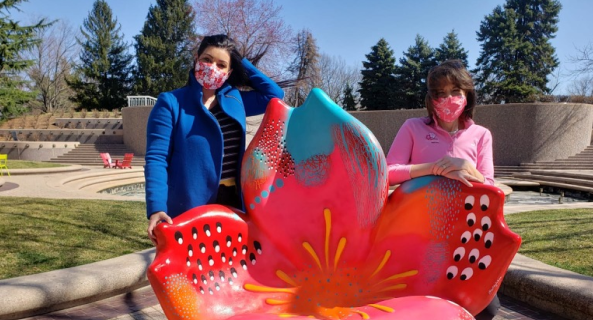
(209, 76)
(450, 108)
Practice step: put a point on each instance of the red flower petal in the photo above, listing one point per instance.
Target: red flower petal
(446, 240)
(207, 259)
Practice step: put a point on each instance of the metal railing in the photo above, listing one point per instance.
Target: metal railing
(134, 101)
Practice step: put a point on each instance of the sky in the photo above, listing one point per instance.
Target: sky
(349, 28)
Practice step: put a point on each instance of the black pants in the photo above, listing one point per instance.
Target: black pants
(491, 310)
(228, 196)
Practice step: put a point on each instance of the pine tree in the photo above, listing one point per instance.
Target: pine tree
(349, 102)
(516, 54)
(305, 67)
(104, 75)
(164, 47)
(14, 40)
(451, 48)
(378, 82)
(412, 72)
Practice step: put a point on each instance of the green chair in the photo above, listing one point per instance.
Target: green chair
(3, 161)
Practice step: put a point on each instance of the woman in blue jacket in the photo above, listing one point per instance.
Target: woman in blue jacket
(196, 134)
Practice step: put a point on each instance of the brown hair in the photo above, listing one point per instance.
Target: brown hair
(450, 71)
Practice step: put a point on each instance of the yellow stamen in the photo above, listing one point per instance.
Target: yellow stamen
(276, 302)
(328, 226)
(400, 275)
(309, 249)
(362, 314)
(284, 277)
(287, 315)
(383, 262)
(341, 246)
(254, 288)
(395, 287)
(382, 308)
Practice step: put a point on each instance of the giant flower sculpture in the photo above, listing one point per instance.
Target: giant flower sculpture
(321, 239)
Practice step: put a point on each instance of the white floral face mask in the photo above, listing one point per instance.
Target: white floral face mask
(450, 108)
(209, 76)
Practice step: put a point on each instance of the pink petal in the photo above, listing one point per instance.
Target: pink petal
(313, 175)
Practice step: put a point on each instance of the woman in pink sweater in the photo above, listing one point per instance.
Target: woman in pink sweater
(447, 142)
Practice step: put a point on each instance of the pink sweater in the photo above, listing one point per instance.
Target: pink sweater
(417, 143)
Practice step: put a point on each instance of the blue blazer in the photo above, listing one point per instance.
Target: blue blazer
(184, 145)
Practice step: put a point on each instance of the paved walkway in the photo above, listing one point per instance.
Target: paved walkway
(142, 304)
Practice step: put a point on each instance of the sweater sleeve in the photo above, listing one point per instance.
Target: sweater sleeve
(398, 158)
(159, 132)
(265, 89)
(485, 160)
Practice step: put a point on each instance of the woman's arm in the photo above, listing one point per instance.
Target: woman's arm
(485, 159)
(399, 155)
(159, 132)
(264, 89)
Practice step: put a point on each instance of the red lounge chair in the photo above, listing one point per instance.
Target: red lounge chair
(107, 162)
(126, 163)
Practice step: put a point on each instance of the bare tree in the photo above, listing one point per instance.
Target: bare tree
(336, 75)
(584, 60)
(256, 25)
(305, 67)
(54, 57)
(582, 86)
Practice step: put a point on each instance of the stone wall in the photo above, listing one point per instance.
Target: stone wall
(35, 151)
(134, 125)
(521, 132)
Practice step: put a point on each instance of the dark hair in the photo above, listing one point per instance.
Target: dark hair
(450, 71)
(238, 77)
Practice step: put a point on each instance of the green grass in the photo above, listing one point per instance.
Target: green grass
(24, 164)
(39, 235)
(562, 238)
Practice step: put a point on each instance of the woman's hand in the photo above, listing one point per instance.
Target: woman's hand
(463, 176)
(448, 164)
(155, 219)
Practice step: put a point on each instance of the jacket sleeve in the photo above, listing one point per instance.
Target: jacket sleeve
(485, 159)
(159, 133)
(265, 89)
(398, 157)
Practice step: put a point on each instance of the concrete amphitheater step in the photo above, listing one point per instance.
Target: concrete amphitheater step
(97, 181)
(556, 179)
(558, 183)
(580, 175)
(89, 154)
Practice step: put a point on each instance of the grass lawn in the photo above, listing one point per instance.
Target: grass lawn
(40, 235)
(24, 164)
(562, 238)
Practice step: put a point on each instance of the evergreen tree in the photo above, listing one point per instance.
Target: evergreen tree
(412, 72)
(516, 54)
(164, 47)
(103, 78)
(378, 82)
(451, 48)
(349, 102)
(14, 40)
(305, 67)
